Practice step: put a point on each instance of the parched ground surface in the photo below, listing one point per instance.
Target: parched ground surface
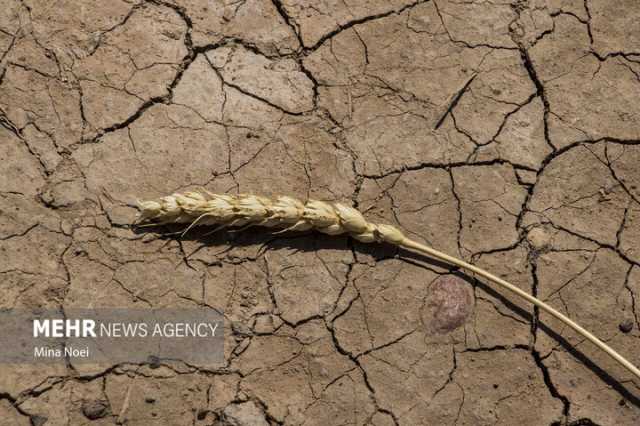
(504, 132)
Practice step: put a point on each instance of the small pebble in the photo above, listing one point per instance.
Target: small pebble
(626, 326)
(450, 302)
(154, 361)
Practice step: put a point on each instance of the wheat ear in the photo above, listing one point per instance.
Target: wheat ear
(288, 213)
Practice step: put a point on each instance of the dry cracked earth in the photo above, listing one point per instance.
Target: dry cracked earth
(504, 132)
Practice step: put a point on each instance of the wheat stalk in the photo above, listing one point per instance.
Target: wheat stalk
(288, 213)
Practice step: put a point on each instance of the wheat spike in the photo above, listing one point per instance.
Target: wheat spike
(286, 213)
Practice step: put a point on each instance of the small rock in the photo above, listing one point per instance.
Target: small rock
(154, 362)
(450, 302)
(66, 226)
(244, 344)
(626, 326)
(95, 409)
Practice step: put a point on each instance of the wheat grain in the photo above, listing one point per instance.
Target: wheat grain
(286, 213)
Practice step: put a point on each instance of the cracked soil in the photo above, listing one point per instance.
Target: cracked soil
(503, 132)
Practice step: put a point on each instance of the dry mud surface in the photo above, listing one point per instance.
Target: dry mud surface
(503, 132)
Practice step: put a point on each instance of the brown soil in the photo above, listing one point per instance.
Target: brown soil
(503, 132)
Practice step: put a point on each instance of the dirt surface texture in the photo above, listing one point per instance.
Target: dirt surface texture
(504, 132)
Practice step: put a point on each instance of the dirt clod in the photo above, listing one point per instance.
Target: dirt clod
(95, 409)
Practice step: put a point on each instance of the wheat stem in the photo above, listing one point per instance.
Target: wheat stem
(410, 244)
(196, 209)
